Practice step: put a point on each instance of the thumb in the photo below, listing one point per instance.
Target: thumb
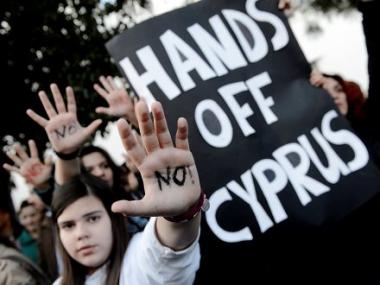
(92, 127)
(129, 208)
(102, 110)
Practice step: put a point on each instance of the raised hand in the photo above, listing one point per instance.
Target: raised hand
(333, 88)
(65, 133)
(169, 172)
(284, 4)
(120, 104)
(317, 78)
(29, 166)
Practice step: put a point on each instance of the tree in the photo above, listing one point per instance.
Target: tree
(47, 41)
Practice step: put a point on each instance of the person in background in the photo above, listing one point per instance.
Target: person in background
(93, 159)
(15, 268)
(30, 217)
(351, 102)
(34, 213)
(334, 88)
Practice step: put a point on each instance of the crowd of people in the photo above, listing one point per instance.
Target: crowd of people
(91, 221)
(74, 209)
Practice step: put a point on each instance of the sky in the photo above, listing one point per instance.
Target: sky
(339, 49)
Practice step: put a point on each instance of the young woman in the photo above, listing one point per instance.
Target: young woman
(90, 235)
(167, 251)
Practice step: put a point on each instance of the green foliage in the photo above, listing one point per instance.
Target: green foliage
(45, 41)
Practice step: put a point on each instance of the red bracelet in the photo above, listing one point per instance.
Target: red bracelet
(192, 212)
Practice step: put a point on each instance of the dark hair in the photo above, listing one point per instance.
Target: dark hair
(354, 96)
(23, 205)
(82, 186)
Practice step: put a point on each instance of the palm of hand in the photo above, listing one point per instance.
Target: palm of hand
(168, 169)
(65, 133)
(169, 188)
(35, 172)
(119, 103)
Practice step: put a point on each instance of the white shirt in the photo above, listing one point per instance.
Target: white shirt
(148, 262)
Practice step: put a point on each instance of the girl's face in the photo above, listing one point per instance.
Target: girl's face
(335, 90)
(96, 164)
(86, 232)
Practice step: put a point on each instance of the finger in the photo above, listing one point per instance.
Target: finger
(131, 145)
(71, 103)
(160, 126)
(135, 100)
(284, 4)
(10, 168)
(33, 149)
(14, 158)
(58, 99)
(105, 83)
(138, 138)
(314, 82)
(112, 82)
(100, 91)
(49, 109)
(20, 151)
(131, 208)
(103, 110)
(37, 118)
(181, 137)
(148, 134)
(91, 128)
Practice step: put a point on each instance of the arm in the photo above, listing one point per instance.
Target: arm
(120, 104)
(169, 174)
(65, 133)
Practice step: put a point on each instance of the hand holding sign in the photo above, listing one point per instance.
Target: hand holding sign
(284, 4)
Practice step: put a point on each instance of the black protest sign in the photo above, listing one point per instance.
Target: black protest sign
(274, 156)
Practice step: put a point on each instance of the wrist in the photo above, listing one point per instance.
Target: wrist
(42, 186)
(201, 204)
(68, 156)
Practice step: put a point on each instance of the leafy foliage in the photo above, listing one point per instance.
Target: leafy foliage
(46, 41)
